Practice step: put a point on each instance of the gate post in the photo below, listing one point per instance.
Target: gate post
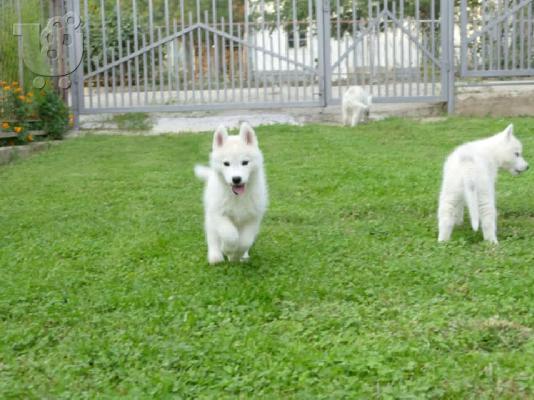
(325, 63)
(76, 53)
(447, 50)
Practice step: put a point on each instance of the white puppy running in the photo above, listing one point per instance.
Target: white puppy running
(235, 195)
(355, 107)
(469, 177)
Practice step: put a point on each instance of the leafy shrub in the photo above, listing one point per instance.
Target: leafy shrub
(53, 113)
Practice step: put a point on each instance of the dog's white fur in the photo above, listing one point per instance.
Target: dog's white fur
(355, 105)
(233, 212)
(469, 176)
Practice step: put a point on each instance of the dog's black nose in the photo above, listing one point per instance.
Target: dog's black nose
(236, 180)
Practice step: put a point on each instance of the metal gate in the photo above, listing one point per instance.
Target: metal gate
(158, 55)
(497, 38)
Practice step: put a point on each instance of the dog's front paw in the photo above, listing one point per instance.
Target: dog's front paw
(245, 257)
(215, 258)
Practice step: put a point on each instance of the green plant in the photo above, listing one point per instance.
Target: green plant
(17, 112)
(53, 113)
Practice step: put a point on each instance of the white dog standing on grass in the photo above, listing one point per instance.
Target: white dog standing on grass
(469, 177)
(355, 106)
(235, 195)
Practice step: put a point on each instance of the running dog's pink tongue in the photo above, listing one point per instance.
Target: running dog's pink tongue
(238, 189)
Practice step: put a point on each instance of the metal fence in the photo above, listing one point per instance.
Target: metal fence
(158, 55)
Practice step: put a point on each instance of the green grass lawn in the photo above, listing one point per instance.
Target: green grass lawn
(105, 290)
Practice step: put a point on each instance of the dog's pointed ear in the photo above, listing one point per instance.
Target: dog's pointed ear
(219, 137)
(509, 132)
(247, 134)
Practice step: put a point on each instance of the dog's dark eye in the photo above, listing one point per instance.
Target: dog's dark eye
(244, 163)
(517, 154)
(226, 164)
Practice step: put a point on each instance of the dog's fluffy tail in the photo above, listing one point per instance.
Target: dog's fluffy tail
(202, 172)
(471, 198)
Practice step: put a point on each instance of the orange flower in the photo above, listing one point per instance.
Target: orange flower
(30, 94)
(18, 129)
(30, 138)
(22, 98)
(18, 90)
(7, 88)
(15, 83)
(5, 125)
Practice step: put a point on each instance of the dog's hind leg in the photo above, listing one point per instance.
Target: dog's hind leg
(459, 214)
(447, 216)
(488, 217)
(356, 115)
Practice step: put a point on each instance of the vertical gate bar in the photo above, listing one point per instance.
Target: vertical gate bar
(507, 36)
(184, 51)
(119, 40)
(433, 39)
(386, 50)
(216, 43)
(371, 28)
(231, 43)
(200, 59)
(113, 78)
(327, 59)
(161, 75)
(418, 53)
(175, 54)
(296, 40)
(498, 32)
(152, 51)
(309, 36)
(168, 46)
(129, 72)
(223, 54)
(529, 36)
(78, 83)
(491, 46)
(239, 63)
(522, 39)
(279, 31)
(20, 45)
(394, 34)
(475, 26)
(246, 35)
(463, 34)
(136, 48)
(264, 55)
(88, 49)
(403, 64)
(97, 78)
(208, 54)
(321, 51)
(447, 59)
(145, 68)
(378, 58)
(354, 50)
(514, 37)
(193, 59)
(483, 52)
(272, 77)
(256, 63)
(425, 62)
(338, 42)
(104, 47)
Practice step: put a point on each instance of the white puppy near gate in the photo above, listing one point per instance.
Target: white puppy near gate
(355, 105)
(235, 195)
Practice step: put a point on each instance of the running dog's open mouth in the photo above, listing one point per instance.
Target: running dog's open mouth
(238, 189)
